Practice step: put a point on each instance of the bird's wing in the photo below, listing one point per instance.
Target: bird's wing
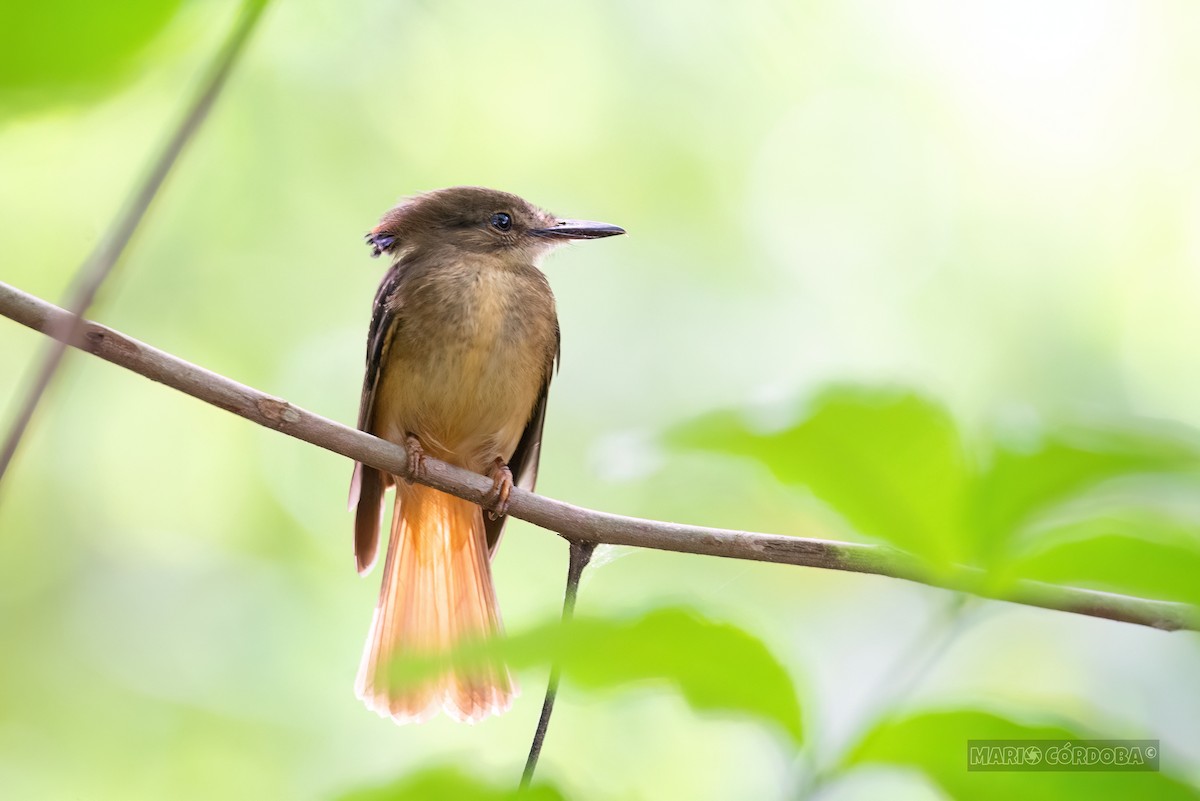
(524, 461)
(367, 485)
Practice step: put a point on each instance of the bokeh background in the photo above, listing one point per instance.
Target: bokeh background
(996, 205)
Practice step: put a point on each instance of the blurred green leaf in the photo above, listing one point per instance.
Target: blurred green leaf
(1135, 552)
(715, 666)
(1022, 482)
(891, 462)
(936, 743)
(894, 465)
(55, 49)
(450, 784)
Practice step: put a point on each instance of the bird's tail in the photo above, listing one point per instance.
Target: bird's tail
(437, 590)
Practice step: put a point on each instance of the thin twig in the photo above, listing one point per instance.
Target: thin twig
(908, 668)
(581, 554)
(101, 261)
(573, 521)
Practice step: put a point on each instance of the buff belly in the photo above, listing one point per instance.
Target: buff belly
(463, 376)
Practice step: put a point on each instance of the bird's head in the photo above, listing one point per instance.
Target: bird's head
(471, 219)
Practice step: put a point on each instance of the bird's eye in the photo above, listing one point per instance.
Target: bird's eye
(502, 221)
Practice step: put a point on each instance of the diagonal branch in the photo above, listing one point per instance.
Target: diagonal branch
(100, 263)
(573, 521)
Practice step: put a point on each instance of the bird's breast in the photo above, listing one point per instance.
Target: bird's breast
(471, 349)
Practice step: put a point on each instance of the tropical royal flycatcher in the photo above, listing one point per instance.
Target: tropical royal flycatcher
(462, 343)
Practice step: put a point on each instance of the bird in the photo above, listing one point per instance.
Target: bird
(463, 340)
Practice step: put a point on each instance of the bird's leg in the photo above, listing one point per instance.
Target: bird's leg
(496, 501)
(416, 457)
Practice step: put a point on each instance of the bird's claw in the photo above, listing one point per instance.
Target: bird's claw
(416, 457)
(496, 500)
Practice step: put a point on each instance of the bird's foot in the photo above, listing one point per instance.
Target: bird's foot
(416, 457)
(496, 500)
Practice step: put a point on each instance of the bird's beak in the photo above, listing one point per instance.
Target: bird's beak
(578, 229)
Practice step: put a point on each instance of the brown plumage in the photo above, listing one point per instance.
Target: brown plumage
(463, 339)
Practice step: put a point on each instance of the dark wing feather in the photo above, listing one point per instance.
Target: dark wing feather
(524, 461)
(367, 484)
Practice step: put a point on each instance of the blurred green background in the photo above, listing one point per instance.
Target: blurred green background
(993, 204)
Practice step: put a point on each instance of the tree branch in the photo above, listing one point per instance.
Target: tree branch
(101, 261)
(563, 518)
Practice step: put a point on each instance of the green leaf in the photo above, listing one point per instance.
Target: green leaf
(53, 50)
(1023, 482)
(449, 784)
(714, 666)
(891, 462)
(1132, 551)
(936, 743)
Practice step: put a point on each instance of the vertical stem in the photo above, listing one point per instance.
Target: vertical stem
(101, 261)
(581, 554)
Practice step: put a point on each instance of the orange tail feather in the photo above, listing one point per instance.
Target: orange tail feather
(437, 589)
